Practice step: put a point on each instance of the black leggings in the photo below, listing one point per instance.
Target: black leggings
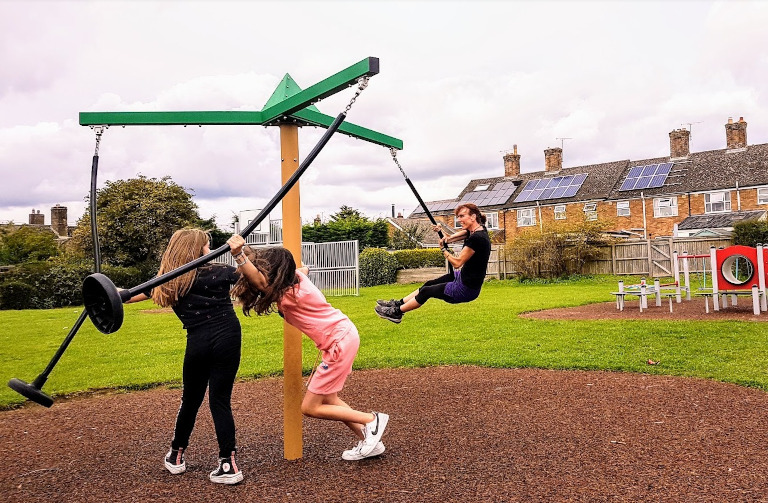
(210, 361)
(435, 289)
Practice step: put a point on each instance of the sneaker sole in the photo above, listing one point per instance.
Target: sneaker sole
(175, 469)
(228, 479)
(393, 320)
(377, 451)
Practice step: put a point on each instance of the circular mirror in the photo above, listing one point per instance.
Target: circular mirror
(737, 269)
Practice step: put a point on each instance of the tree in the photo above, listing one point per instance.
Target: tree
(135, 220)
(348, 225)
(409, 237)
(25, 244)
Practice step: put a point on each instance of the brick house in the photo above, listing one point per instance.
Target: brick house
(686, 193)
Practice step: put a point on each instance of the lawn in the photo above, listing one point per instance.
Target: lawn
(148, 349)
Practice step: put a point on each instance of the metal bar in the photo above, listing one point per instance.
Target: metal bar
(323, 89)
(349, 129)
(238, 117)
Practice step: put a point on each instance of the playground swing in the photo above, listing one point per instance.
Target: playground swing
(393, 152)
(104, 302)
(33, 391)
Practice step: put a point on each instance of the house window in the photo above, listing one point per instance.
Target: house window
(526, 217)
(560, 212)
(493, 220)
(483, 186)
(717, 202)
(665, 207)
(622, 208)
(762, 196)
(590, 211)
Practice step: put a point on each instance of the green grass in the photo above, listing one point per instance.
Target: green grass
(148, 349)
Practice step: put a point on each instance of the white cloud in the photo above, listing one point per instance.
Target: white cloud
(460, 82)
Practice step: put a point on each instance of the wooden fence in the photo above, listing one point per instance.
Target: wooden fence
(645, 257)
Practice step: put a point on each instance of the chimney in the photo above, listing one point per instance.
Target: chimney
(318, 220)
(512, 164)
(735, 134)
(59, 220)
(553, 160)
(679, 143)
(36, 218)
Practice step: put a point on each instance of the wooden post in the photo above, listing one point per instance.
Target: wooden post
(292, 380)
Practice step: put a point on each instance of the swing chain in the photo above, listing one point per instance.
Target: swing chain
(362, 84)
(99, 131)
(393, 151)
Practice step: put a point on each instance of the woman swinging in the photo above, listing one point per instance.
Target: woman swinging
(470, 266)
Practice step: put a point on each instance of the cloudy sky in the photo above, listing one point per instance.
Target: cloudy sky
(461, 82)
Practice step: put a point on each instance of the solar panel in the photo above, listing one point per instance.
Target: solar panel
(498, 194)
(551, 188)
(646, 177)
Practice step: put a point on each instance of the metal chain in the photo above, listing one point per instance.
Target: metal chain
(362, 83)
(99, 131)
(393, 151)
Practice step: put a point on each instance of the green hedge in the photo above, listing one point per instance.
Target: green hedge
(58, 283)
(377, 267)
(422, 257)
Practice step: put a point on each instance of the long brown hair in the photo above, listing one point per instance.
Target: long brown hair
(184, 246)
(472, 209)
(279, 269)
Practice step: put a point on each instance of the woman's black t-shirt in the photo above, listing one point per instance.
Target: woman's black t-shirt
(208, 301)
(473, 270)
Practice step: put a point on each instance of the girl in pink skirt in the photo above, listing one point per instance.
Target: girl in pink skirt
(272, 282)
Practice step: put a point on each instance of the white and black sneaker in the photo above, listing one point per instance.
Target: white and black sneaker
(174, 461)
(227, 471)
(354, 454)
(373, 433)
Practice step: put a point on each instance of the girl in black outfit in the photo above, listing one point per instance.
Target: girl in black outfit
(465, 283)
(201, 300)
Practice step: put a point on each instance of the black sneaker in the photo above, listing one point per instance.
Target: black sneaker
(227, 471)
(174, 461)
(392, 314)
(390, 303)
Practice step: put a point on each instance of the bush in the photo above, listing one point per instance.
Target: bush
(16, 295)
(423, 257)
(750, 233)
(377, 267)
(58, 282)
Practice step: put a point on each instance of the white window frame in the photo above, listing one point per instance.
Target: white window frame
(590, 212)
(720, 204)
(664, 207)
(481, 187)
(762, 195)
(560, 213)
(493, 220)
(622, 209)
(526, 217)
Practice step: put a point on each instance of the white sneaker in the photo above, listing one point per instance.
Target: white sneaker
(355, 455)
(373, 432)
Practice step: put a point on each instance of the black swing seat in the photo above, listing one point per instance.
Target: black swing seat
(103, 302)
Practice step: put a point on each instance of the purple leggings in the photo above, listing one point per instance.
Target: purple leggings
(448, 288)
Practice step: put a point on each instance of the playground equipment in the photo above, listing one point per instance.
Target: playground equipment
(289, 107)
(642, 290)
(735, 271)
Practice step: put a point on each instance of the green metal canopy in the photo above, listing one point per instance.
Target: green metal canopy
(288, 103)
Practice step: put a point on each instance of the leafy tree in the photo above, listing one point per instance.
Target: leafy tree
(135, 219)
(218, 236)
(409, 237)
(557, 250)
(25, 244)
(347, 225)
